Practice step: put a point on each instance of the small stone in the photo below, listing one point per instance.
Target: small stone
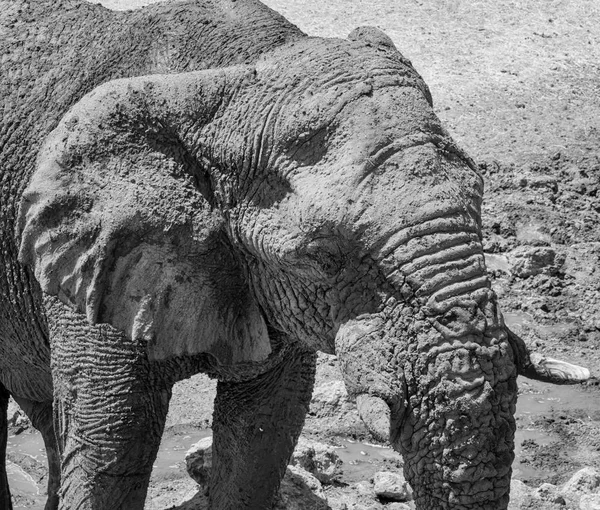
(549, 492)
(520, 491)
(521, 181)
(318, 459)
(364, 489)
(300, 490)
(544, 181)
(327, 398)
(18, 421)
(198, 461)
(585, 481)
(391, 486)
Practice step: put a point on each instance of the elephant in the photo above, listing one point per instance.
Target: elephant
(199, 186)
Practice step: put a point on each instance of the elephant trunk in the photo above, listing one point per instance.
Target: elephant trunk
(437, 361)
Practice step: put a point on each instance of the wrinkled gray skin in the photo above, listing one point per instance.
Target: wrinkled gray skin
(283, 195)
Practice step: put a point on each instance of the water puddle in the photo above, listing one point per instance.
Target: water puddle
(28, 450)
(28, 443)
(363, 460)
(542, 397)
(544, 400)
(518, 319)
(495, 262)
(171, 455)
(20, 481)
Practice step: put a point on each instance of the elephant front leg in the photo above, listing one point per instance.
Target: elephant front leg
(110, 411)
(5, 501)
(256, 425)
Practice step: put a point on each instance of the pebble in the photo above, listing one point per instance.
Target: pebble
(319, 459)
(391, 486)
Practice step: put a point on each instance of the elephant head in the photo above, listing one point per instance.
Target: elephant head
(313, 194)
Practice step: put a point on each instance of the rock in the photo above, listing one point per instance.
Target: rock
(543, 181)
(550, 493)
(327, 398)
(198, 461)
(318, 459)
(17, 419)
(391, 486)
(527, 261)
(300, 491)
(585, 481)
(361, 496)
(590, 502)
(520, 493)
(364, 489)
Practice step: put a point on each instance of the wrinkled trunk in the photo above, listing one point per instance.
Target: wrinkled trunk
(439, 357)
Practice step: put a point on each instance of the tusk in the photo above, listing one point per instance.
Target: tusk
(375, 414)
(535, 366)
(555, 370)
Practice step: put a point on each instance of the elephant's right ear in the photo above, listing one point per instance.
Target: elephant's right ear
(120, 221)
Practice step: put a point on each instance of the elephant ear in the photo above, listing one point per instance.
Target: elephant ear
(120, 222)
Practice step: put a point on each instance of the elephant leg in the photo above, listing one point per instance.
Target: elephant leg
(40, 414)
(256, 424)
(110, 409)
(5, 500)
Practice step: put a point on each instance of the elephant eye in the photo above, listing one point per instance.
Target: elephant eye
(325, 254)
(309, 147)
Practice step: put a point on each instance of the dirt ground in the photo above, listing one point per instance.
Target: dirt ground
(517, 83)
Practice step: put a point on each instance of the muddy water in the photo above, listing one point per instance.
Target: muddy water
(26, 490)
(361, 460)
(540, 401)
(496, 262)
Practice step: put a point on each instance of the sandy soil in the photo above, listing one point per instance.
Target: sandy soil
(517, 83)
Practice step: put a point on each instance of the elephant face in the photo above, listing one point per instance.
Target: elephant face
(314, 194)
(342, 183)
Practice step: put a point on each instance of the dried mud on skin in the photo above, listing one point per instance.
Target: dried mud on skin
(517, 83)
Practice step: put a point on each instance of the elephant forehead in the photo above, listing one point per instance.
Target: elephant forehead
(301, 87)
(313, 80)
(318, 61)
